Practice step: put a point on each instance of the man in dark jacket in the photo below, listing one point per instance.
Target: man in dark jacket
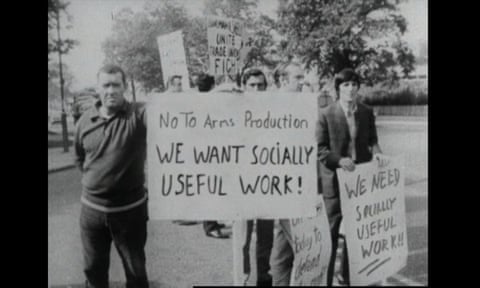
(346, 135)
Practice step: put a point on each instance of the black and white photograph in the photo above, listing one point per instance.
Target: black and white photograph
(237, 143)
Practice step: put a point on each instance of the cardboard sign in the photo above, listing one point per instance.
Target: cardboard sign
(373, 208)
(311, 243)
(312, 246)
(172, 57)
(231, 156)
(228, 44)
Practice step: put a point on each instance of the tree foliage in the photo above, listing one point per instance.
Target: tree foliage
(196, 45)
(133, 43)
(326, 34)
(57, 8)
(54, 82)
(54, 74)
(264, 50)
(361, 34)
(238, 9)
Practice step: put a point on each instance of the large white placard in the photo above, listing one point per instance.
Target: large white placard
(231, 156)
(373, 208)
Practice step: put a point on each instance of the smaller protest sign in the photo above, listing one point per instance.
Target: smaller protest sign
(373, 208)
(172, 57)
(311, 244)
(228, 45)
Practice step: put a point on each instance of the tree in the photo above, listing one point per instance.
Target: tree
(57, 8)
(405, 57)
(54, 91)
(133, 44)
(361, 34)
(196, 45)
(54, 74)
(264, 50)
(238, 9)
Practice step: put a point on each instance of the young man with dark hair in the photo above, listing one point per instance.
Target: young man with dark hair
(254, 80)
(110, 150)
(346, 135)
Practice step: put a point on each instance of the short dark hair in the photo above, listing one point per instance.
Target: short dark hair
(205, 82)
(253, 72)
(113, 69)
(347, 74)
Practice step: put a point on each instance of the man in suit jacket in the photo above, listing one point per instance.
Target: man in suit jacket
(346, 135)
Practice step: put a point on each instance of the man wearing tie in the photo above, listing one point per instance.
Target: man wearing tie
(346, 135)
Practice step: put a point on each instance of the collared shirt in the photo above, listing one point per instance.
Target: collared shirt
(111, 154)
(350, 115)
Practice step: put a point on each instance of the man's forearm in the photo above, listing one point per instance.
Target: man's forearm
(376, 149)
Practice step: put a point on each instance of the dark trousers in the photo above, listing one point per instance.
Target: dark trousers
(128, 231)
(332, 206)
(263, 250)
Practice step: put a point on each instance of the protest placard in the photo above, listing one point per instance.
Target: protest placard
(228, 43)
(231, 156)
(172, 57)
(373, 207)
(312, 246)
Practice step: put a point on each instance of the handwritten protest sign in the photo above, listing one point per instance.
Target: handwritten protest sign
(228, 44)
(311, 243)
(373, 208)
(231, 156)
(172, 57)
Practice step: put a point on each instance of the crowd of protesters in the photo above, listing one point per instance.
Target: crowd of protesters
(110, 150)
